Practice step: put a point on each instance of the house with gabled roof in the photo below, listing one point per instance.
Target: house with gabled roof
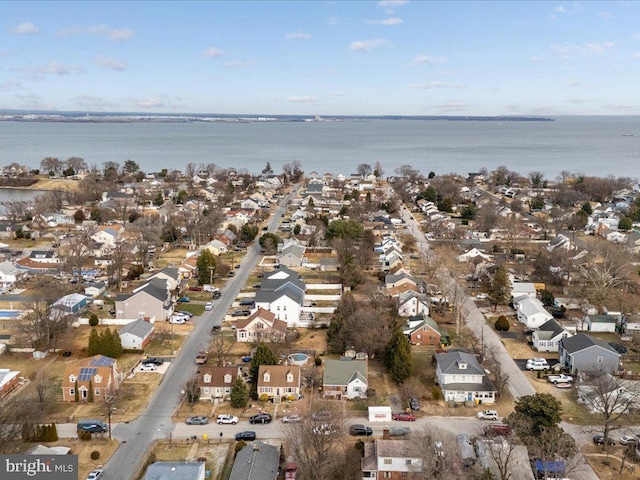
(98, 373)
(345, 378)
(403, 279)
(136, 335)
(9, 274)
(277, 381)
(584, 353)
(393, 459)
(423, 330)
(216, 382)
(216, 247)
(292, 255)
(601, 323)
(548, 335)
(531, 312)
(170, 274)
(412, 303)
(262, 326)
(256, 461)
(151, 300)
(462, 378)
(9, 379)
(176, 471)
(282, 292)
(108, 235)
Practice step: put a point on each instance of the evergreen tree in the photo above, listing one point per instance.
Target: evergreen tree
(93, 319)
(499, 288)
(397, 356)
(106, 343)
(239, 394)
(54, 432)
(90, 398)
(76, 394)
(94, 343)
(263, 356)
(117, 345)
(205, 262)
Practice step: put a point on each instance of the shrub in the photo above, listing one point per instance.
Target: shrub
(95, 455)
(436, 393)
(502, 324)
(84, 435)
(264, 397)
(93, 320)
(240, 445)
(318, 361)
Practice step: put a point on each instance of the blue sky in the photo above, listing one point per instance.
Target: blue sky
(390, 57)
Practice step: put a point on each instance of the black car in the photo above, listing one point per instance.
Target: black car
(260, 418)
(246, 435)
(215, 328)
(217, 294)
(358, 429)
(247, 302)
(153, 360)
(414, 403)
(599, 440)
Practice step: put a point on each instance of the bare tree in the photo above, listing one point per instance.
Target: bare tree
(144, 232)
(439, 455)
(76, 250)
(498, 371)
(364, 169)
(43, 324)
(51, 164)
(16, 211)
(501, 450)
(76, 163)
(219, 349)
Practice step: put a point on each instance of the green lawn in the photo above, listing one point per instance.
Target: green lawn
(194, 308)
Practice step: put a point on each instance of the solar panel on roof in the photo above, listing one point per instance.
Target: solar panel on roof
(86, 374)
(102, 361)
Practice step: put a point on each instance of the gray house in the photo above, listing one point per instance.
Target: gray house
(584, 353)
(175, 471)
(256, 461)
(152, 300)
(291, 255)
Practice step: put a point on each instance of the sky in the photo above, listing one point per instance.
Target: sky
(389, 57)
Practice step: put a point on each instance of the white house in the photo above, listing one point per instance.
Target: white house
(345, 378)
(411, 303)
(473, 254)
(547, 337)
(519, 289)
(136, 335)
(601, 323)
(394, 459)
(531, 312)
(462, 378)
(282, 293)
(9, 274)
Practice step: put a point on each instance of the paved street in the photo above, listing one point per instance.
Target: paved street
(155, 421)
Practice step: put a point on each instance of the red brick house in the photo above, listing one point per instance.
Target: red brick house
(97, 373)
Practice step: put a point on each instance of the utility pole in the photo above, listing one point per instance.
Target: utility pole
(211, 270)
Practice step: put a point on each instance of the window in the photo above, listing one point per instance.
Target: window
(408, 461)
(72, 391)
(72, 378)
(227, 378)
(266, 377)
(405, 475)
(387, 461)
(97, 391)
(599, 359)
(387, 474)
(97, 379)
(207, 378)
(289, 377)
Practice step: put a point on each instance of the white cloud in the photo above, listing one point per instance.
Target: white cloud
(111, 63)
(115, 34)
(26, 28)
(386, 21)
(568, 50)
(303, 99)
(573, 83)
(213, 52)
(297, 36)
(332, 21)
(10, 84)
(55, 68)
(606, 15)
(366, 45)
(560, 9)
(421, 59)
(240, 63)
(438, 84)
(392, 3)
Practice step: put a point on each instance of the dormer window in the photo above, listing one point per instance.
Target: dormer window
(289, 377)
(72, 378)
(462, 365)
(266, 377)
(206, 378)
(227, 378)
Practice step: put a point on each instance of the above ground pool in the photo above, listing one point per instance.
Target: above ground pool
(298, 359)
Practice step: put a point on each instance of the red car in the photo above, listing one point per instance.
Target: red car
(404, 417)
(195, 289)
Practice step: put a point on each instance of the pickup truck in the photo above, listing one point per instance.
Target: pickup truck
(202, 357)
(562, 378)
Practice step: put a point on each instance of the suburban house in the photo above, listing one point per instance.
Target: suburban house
(472, 254)
(519, 289)
(584, 353)
(601, 323)
(256, 461)
(72, 304)
(216, 382)
(423, 330)
(547, 337)
(94, 289)
(531, 312)
(345, 378)
(171, 275)
(412, 303)
(135, 335)
(394, 459)
(44, 256)
(151, 300)
(277, 381)
(393, 281)
(462, 378)
(98, 373)
(176, 471)
(216, 247)
(262, 326)
(292, 255)
(9, 274)
(9, 380)
(610, 394)
(107, 235)
(559, 242)
(282, 293)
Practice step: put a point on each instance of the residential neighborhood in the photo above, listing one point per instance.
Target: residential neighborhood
(234, 313)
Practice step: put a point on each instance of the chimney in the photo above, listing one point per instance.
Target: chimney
(385, 434)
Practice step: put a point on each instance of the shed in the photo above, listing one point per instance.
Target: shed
(379, 414)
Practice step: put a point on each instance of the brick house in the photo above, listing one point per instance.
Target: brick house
(277, 381)
(98, 373)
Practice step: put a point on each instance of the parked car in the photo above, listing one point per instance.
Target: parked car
(628, 440)
(177, 319)
(208, 306)
(496, 429)
(482, 296)
(358, 429)
(599, 440)
(236, 266)
(295, 418)
(184, 299)
(537, 366)
(225, 418)
(414, 403)
(404, 417)
(320, 416)
(536, 360)
(148, 367)
(231, 273)
(241, 313)
(95, 474)
(246, 435)
(562, 378)
(195, 289)
(154, 360)
(563, 385)
(260, 418)
(488, 415)
(216, 328)
(199, 420)
(247, 302)
(217, 294)
(246, 358)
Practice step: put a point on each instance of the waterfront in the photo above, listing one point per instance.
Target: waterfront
(590, 145)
